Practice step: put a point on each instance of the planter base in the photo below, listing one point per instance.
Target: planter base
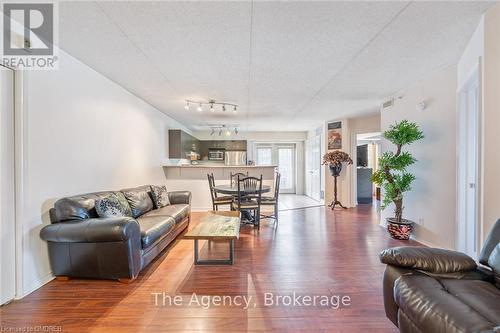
(399, 230)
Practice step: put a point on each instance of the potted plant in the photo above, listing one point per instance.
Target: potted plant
(393, 176)
(335, 159)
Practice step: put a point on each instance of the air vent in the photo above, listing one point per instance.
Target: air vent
(388, 104)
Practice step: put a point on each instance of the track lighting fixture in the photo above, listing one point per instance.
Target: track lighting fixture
(224, 129)
(212, 105)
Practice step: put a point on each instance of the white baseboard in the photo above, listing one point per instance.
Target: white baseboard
(34, 285)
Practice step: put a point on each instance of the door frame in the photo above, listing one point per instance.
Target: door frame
(12, 208)
(474, 79)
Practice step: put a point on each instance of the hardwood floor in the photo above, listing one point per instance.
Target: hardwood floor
(313, 251)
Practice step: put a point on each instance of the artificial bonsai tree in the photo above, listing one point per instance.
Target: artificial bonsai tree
(392, 174)
(334, 159)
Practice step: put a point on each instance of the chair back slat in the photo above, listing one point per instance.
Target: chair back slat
(277, 185)
(233, 177)
(247, 183)
(211, 184)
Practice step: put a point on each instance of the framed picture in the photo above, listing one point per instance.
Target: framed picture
(335, 135)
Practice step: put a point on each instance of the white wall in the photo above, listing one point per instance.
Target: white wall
(81, 133)
(483, 49)
(432, 201)
(491, 120)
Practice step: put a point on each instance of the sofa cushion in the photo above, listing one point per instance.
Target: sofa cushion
(113, 205)
(160, 196)
(494, 263)
(78, 207)
(139, 199)
(178, 212)
(427, 303)
(154, 228)
(481, 296)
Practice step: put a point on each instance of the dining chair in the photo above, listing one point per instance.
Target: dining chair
(272, 200)
(233, 177)
(217, 200)
(245, 203)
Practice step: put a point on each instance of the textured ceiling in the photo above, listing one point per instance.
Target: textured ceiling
(289, 65)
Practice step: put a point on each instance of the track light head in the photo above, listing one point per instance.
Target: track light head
(199, 108)
(187, 105)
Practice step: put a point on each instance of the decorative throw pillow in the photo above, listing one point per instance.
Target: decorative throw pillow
(160, 196)
(112, 206)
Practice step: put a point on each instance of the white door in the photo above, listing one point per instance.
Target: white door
(7, 214)
(313, 170)
(468, 167)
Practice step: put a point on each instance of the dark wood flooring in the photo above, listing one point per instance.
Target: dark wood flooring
(313, 251)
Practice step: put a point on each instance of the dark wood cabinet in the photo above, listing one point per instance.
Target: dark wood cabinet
(180, 144)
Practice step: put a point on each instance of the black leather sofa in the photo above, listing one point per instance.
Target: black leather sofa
(431, 290)
(83, 245)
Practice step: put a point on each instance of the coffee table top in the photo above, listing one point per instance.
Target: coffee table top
(216, 226)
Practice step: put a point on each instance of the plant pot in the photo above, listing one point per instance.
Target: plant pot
(335, 169)
(399, 230)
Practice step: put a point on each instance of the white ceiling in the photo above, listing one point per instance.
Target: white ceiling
(289, 65)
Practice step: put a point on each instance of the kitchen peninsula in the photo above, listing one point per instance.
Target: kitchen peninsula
(194, 178)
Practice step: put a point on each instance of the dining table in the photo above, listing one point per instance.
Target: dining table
(233, 189)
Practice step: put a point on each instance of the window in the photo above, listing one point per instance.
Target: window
(264, 156)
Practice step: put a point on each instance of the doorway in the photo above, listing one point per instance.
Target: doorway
(367, 154)
(468, 165)
(283, 155)
(7, 188)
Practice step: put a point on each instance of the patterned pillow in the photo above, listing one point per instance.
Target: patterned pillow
(112, 206)
(160, 196)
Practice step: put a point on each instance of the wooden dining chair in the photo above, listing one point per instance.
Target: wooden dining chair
(217, 200)
(272, 200)
(244, 202)
(233, 177)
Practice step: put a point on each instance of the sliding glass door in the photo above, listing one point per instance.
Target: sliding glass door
(283, 156)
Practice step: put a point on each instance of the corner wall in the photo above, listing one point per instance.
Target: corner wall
(81, 133)
(491, 121)
(432, 201)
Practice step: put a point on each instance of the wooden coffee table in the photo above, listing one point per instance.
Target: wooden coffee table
(216, 226)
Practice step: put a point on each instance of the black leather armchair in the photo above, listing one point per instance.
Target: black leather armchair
(436, 290)
(83, 245)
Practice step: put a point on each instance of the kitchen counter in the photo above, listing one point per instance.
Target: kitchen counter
(219, 166)
(193, 178)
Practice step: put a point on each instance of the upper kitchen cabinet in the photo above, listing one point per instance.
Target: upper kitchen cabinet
(180, 144)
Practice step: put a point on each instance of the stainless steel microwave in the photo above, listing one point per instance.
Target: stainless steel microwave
(216, 154)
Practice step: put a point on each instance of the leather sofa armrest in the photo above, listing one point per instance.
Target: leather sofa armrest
(179, 197)
(113, 229)
(426, 259)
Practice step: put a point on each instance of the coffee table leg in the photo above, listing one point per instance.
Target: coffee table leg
(229, 261)
(195, 251)
(231, 251)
